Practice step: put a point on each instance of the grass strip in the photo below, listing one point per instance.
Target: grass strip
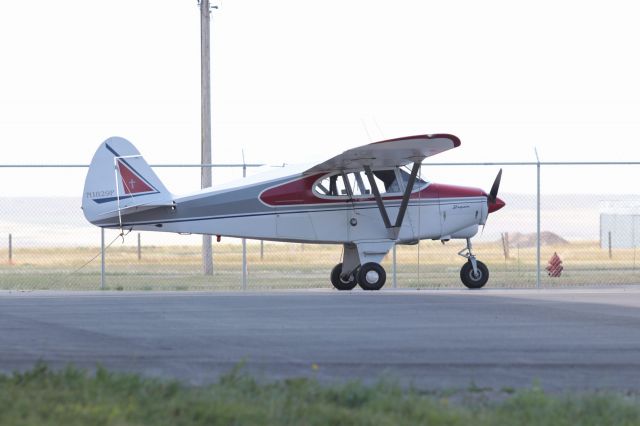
(76, 397)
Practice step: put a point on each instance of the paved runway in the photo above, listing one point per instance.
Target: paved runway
(572, 339)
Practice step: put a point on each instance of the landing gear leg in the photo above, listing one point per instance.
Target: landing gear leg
(361, 265)
(474, 274)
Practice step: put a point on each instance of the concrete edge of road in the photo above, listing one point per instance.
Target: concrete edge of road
(617, 289)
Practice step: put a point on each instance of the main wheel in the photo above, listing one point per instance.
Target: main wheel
(371, 276)
(337, 280)
(472, 280)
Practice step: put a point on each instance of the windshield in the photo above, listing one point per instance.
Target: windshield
(419, 183)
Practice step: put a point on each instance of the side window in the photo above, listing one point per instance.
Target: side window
(359, 184)
(388, 177)
(331, 186)
(386, 180)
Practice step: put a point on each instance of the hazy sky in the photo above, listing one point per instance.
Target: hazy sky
(299, 81)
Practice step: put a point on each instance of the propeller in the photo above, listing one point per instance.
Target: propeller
(493, 194)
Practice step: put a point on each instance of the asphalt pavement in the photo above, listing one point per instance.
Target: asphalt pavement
(559, 339)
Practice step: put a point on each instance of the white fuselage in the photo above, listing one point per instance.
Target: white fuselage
(244, 211)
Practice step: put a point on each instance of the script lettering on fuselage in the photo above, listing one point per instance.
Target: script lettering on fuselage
(457, 206)
(99, 194)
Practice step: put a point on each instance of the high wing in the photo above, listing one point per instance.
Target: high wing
(389, 153)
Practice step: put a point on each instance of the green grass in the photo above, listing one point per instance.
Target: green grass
(74, 397)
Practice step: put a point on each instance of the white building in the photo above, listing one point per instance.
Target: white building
(620, 223)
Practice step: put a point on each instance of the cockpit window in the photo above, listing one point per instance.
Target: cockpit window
(356, 184)
(419, 183)
(388, 177)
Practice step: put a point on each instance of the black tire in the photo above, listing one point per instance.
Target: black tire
(469, 279)
(338, 282)
(371, 276)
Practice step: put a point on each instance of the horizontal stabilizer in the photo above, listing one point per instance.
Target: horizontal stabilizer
(139, 207)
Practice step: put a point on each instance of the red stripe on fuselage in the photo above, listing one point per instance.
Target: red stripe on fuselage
(452, 191)
(300, 191)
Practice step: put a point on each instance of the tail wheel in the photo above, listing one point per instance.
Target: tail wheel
(471, 279)
(338, 282)
(371, 276)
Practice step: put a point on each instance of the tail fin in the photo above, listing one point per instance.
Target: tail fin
(119, 179)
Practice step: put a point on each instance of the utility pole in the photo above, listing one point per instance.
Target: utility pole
(205, 88)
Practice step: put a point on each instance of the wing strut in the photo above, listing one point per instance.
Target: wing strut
(405, 197)
(407, 194)
(376, 194)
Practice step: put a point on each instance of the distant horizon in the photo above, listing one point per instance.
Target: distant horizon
(37, 219)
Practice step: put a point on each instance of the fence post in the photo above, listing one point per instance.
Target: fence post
(538, 222)
(505, 244)
(102, 278)
(633, 237)
(10, 250)
(261, 249)
(244, 240)
(610, 254)
(139, 248)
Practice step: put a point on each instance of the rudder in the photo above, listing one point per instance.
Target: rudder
(119, 179)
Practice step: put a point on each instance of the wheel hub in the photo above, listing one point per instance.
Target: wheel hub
(372, 277)
(346, 278)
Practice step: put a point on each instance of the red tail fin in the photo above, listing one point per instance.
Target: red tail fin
(132, 182)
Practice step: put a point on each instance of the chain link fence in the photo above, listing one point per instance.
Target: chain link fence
(45, 242)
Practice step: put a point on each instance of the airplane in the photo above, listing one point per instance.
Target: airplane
(367, 199)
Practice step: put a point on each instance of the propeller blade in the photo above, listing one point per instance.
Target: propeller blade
(493, 194)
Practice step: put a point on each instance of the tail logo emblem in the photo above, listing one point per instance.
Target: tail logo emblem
(132, 182)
